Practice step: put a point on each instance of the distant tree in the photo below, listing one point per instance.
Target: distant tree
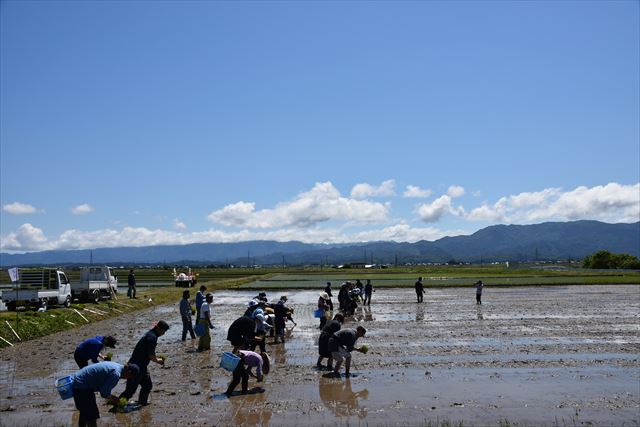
(607, 260)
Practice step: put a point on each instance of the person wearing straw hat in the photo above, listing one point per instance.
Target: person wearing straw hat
(323, 307)
(249, 360)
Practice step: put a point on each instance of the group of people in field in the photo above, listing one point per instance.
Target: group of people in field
(246, 334)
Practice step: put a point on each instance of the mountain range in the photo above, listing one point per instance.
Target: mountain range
(546, 241)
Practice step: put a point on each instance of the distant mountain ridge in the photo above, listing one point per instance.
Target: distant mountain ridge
(545, 241)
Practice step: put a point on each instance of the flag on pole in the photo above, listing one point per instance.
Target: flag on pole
(14, 274)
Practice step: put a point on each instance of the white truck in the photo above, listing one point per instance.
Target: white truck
(96, 283)
(39, 287)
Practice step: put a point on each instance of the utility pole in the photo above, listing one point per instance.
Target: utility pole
(283, 263)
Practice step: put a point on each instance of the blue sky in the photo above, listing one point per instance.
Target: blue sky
(142, 123)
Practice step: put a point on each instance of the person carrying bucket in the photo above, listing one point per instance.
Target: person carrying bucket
(248, 360)
(102, 377)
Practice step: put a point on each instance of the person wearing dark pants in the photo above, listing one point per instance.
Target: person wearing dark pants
(327, 289)
(131, 282)
(248, 360)
(323, 307)
(91, 349)
(185, 314)
(419, 289)
(144, 353)
(101, 377)
(368, 289)
(479, 285)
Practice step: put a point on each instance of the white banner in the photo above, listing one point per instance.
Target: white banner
(14, 274)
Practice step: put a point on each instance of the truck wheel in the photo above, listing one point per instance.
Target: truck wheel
(95, 296)
(67, 302)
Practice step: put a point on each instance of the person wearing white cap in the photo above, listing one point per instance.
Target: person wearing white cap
(323, 307)
(261, 331)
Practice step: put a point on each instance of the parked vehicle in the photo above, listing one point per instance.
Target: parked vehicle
(39, 287)
(96, 283)
(185, 280)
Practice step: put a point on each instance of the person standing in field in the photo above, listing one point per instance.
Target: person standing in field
(327, 289)
(91, 350)
(131, 282)
(280, 310)
(199, 300)
(185, 314)
(419, 289)
(144, 353)
(368, 289)
(323, 306)
(205, 320)
(102, 377)
(479, 285)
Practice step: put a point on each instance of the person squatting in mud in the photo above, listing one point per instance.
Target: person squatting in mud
(341, 344)
(248, 361)
(329, 329)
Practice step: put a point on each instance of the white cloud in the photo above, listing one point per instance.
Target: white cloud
(28, 238)
(612, 203)
(432, 212)
(364, 190)
(25, 238)
(455, 191)
(179, 225)
(320, 204)
(413, 191)
(17, 208)
(82, 209)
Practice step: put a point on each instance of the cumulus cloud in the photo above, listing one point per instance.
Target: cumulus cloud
(413, 191)
(432, 212)
(612, 203)
(25, 238)
(320, 204)
(82, 209)
(455, 191)
(17, 208)
(364, 190)
(179, 225)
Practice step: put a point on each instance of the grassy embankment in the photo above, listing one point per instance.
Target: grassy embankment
(30, 324)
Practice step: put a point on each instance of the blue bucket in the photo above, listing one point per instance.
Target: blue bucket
(318, 313)
(65, 387)
(229, 361)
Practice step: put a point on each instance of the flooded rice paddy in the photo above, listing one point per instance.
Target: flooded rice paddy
(528, 356)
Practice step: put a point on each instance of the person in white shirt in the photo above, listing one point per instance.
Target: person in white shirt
(205, 320)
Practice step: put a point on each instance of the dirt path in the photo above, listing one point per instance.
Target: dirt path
(531, 356)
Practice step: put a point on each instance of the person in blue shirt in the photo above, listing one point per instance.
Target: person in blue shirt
(200, 297)
(91, 349)
(101, 377)
(185, 314)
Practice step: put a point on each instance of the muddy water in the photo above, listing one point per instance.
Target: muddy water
(531, 356)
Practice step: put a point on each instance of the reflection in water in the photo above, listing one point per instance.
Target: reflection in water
(278, 354)
(368, 316)
(340, 398)
(249, 410)
(419, 313)
(479, 312)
